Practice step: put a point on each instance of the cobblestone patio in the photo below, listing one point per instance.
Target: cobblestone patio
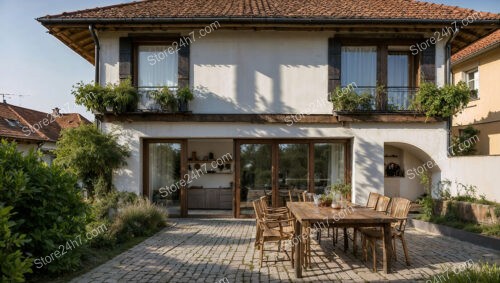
(213, 250)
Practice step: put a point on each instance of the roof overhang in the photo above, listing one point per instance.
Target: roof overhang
(74, 32)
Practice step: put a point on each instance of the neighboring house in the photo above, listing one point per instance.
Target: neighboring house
(479, 66)
(262, 72)
(32, 129)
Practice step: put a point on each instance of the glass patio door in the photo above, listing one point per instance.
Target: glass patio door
(293, 171)
(329, 165)
(255, 175)
(164, 175)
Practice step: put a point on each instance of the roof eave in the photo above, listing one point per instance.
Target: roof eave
(475, 54)
(249, 20)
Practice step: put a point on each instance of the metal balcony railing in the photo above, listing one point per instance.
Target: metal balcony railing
(146, 101)
(388, 99)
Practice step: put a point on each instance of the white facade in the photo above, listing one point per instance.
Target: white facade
(236, 72)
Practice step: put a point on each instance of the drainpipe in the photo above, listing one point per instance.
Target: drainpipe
(448, 80)
(96, 62)
(96, 52)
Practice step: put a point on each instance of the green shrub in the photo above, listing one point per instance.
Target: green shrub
(13, 264)
(139, 219)
(91, 156)
(47, 206)
(465, 143)
(104, 239)
(441, 101)
(103, 205)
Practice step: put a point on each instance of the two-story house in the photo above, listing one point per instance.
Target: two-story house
(479, 65)
(262, 71)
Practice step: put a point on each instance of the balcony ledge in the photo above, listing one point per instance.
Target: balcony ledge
(338, 117)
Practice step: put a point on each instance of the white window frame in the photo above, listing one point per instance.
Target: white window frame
(475, 80)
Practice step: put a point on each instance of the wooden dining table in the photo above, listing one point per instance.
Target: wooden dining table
(306, 214)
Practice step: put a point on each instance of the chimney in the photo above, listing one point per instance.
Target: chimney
(55, 112)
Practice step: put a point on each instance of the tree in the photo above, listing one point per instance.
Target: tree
(91, 155)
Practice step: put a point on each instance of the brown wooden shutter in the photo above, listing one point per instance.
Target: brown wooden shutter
(183, 73)
(125, 58)
(334, 57)
(428, 64)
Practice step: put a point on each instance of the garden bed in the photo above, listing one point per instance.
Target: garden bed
(459, 234)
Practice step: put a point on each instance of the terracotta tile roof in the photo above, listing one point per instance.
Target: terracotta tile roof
(27, 124)
(476, 47)
(331, 9)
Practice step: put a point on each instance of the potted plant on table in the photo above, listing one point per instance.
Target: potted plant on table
(343, 191)
(184, 95)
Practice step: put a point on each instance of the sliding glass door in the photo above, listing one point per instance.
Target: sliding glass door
(278, 168)
(255, 177)
(329, 165)
(163, 171)
(293, 169)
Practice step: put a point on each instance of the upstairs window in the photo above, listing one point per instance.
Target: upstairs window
(359, 68)
(156, 66)
(472, 80)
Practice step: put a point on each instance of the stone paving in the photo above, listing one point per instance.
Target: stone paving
(222, 250)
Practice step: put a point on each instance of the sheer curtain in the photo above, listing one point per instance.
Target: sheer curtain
(337, 163)
(397, 80)
(156, 68)
(359, 66)
(164, 168)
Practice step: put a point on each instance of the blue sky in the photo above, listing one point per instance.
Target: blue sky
(38, 66)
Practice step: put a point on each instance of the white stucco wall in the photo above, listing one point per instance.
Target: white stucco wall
(479, 171)
(254, 71)
(368, 144)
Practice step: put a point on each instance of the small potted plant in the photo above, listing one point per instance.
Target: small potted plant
(344, 190)
(325, 200)
(165, 98)
(184, 95)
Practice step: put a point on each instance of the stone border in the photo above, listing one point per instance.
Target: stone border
(473, 238)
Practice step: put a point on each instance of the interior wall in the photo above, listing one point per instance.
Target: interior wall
(219, 148)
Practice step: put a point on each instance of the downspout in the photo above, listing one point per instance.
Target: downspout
(96, 63)
(448, 80)
(96, 53)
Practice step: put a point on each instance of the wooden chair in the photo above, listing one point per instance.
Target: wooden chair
(273, 230)
(399, 210)
(372, 200)
(294, 196)
(271, 210)
(382, 203)
(307, 197)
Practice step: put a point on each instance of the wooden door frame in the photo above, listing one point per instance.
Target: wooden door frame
(275, 164)
(183, 169)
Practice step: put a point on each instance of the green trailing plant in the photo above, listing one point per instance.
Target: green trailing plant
(465, 143)
(442, 102)
(91, 155)
(119, 98)
(123, 97)
(46, 206)
(184, 95)
(13, 264)
(165, 98)
(347, 99)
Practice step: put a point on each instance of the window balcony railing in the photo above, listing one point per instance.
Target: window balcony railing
(385, 99)
(146, 101)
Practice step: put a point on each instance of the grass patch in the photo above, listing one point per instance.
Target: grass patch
(92, 257)
(481, 273)
(488, 230)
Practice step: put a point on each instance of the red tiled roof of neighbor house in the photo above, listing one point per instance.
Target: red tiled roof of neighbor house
(286, 9)
(26, 124)
(483, 44)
